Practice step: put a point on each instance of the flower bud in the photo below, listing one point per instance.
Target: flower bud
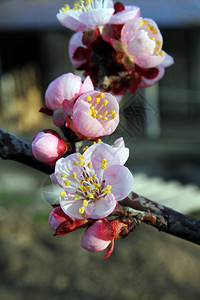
(48, 146)
(63, 224)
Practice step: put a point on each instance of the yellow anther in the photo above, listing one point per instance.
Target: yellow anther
(75, 163)
(89, 165)
(148, 27)
(105, 102)
(74, 175)
(87, 187)
(105, 113)
(107, 191)
(102, 95)
(94, 176)
(99, 141)
(85, 203)
(93, 143)
(157, 48)
(98, 100)
(103, 167)
(161, 52)
(86, 177)
(90, 178)
(82, 163)
(67, 183)
(141, 23)
(90, 195)
(159, 43)
(85, 148)
(81, 210)
(81, 182)
(76, 197)
(95, 112)
(64, 175)
(80, 157)
(104, 161)
(152, 38)
(145, 22)
(113, 111)
(155, 31)
(99, 116)
(97, 96)
(89, 98)
(98, 186)
(114, 115)
(109, 187)
(104, 119)
(92, 108)
(62, 194)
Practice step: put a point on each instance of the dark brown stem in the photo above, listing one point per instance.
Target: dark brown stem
(176, 223)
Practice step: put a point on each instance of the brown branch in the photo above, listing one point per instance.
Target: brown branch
(157, 215)
(175, 223)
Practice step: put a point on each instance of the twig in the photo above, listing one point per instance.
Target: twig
(176, 223)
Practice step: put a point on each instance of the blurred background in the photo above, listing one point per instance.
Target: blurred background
(160, 125)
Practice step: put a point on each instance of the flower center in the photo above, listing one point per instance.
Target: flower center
(86, 5)
(98, 105)
(87, 186)
(152, 32)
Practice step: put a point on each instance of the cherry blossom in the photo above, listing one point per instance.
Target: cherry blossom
(86, 14)
(48, 146)
(94, 115)
(141, 42)
(93, 182)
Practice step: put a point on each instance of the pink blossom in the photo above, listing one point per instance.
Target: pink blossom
(86, 14)
(65, 89)
(48, 146)
(93, 182)
(75, 42)
(124, 14)
(94, 115)
(102, 233)
(141, 42)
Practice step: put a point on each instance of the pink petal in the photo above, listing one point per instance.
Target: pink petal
(121, 180)
(71, 207)
(85, 123)
(149, 61)
(167, 61)
(87, 85)
(97, 152)
(96, 17)
(67, 86)
(141, 44)
(129, 13)
(74, 43)
(121, 150)
(129, 30)
(97, 237)
(71, 20)
(68, 107)
(101, 208)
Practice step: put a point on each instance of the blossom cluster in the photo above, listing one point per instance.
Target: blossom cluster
(116, 39)
(118, 50)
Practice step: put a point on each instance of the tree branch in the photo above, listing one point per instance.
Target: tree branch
(176, 223)
(157, 215)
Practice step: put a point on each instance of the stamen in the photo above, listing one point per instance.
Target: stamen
(89, 165)
(63, 175)
(80, 157)
(85, 203)
(76, 197)
(81, 210)
(74, 175)
(62, 194)
(67, 183)
(75, 163)
(105, 102)
(82, 163)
